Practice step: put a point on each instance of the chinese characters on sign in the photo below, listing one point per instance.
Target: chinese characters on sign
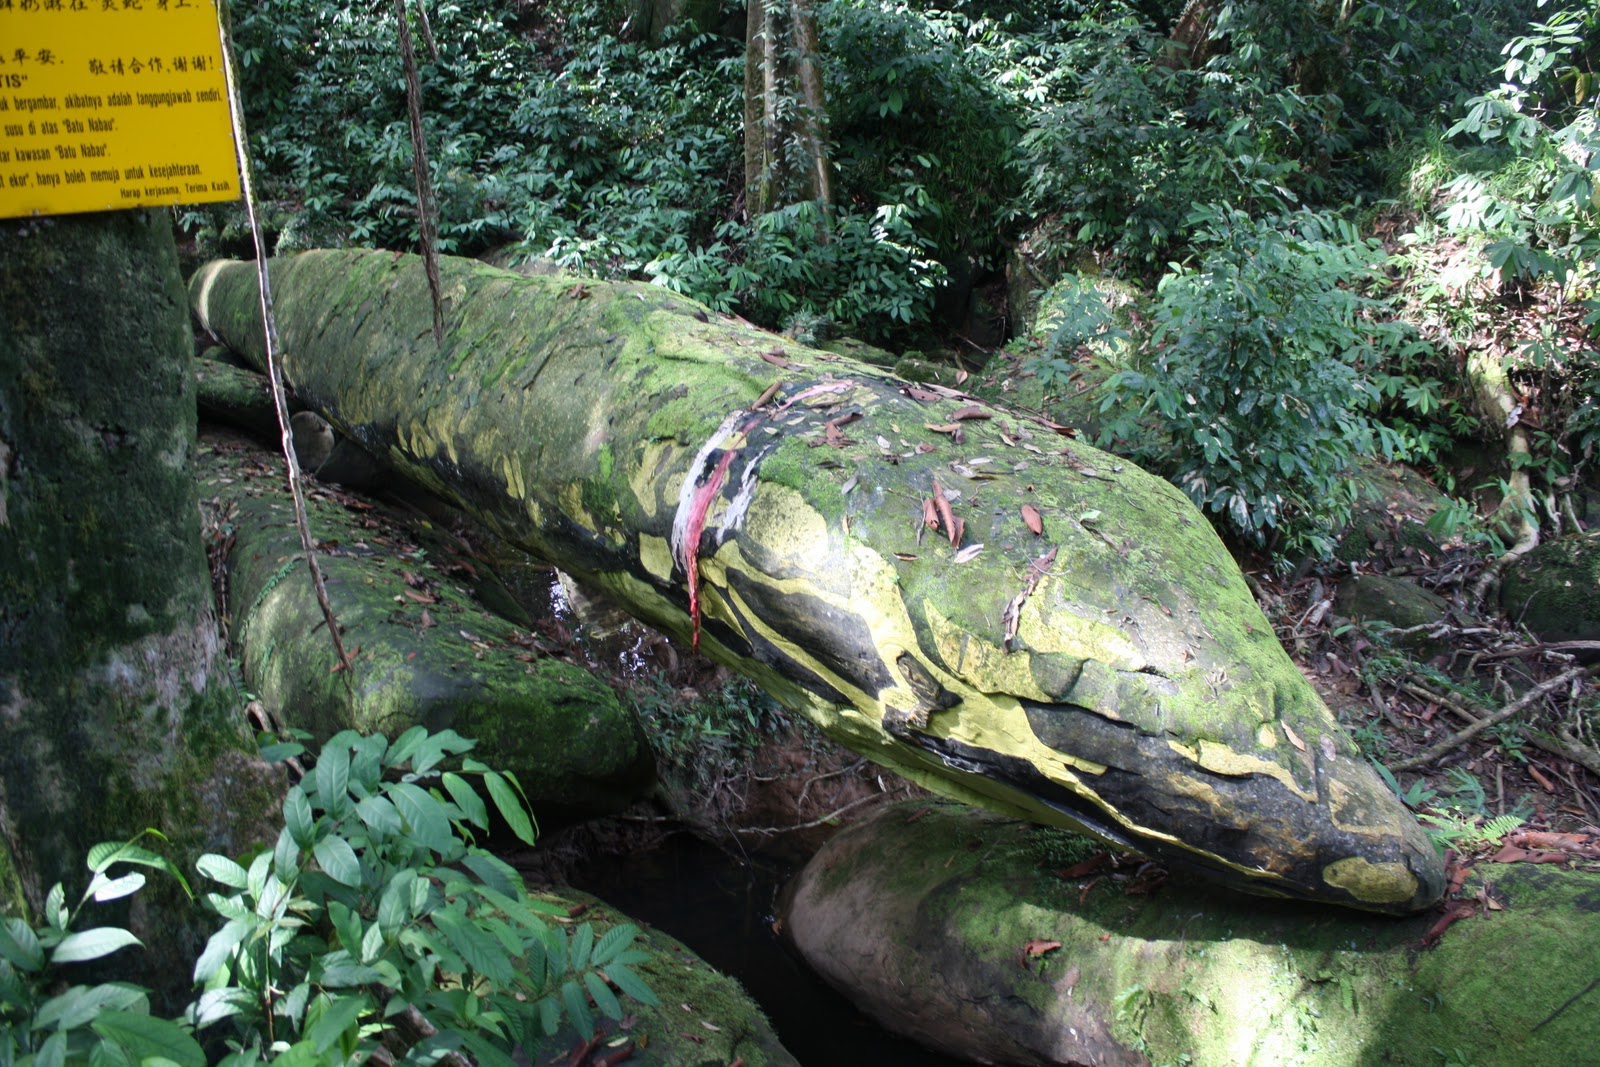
(109, 104)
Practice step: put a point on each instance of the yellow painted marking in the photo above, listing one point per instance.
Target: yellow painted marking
(645, 477)
(656, 556)
(1070, 634)
(971, 656)
(1372, 883)
(1221, 759)
(780, 521)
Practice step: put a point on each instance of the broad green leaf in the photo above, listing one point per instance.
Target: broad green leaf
(493, 872)
(55, 907)
(467, 799)
(299, 1054)
(631, 984)
(434, 748)
(216, 1005)
(219, 949)
(146, 1036)
(372, 943)
(53, 1053)
(394, 907)
(297, 817)
(222, 869)
(92, 944)
(481, 951)
(117, 888)
(404, 746)
(486, 1052)
(604, 999)
(333, 779)
(286, 855)
(346, 923)
(105, 1054)
(510, 804)
(19, 946)
(80, 1004)
(340, 970)
(582, 943)
(106, 853)
(577, 1006)
(424, 815)
(338, 860)
(612, 942)
(379, 816)
(281, 751)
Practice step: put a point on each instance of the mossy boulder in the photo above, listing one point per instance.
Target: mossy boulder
(1553, 590)
(959, 929)
(423, 651)
(1401, 604)
(704, 1018)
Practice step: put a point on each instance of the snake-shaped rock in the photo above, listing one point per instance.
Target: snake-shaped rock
(965, 594)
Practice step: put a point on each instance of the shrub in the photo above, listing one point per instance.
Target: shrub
(1254, 376)
(374, 925)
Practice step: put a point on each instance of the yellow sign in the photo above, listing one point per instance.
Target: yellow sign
(110, 104)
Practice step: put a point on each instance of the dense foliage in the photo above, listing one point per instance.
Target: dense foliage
(1158, 140)
(375, 927)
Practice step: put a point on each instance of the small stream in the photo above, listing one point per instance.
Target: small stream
(723, 909)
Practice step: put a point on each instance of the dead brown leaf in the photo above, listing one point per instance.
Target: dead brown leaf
(1034, 521)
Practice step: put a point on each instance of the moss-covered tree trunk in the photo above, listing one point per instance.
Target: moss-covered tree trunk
(114, 714)
(965, 595)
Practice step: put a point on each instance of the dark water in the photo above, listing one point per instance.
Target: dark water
(723, 908)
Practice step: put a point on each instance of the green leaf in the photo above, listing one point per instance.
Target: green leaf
(604, 999)
(404, 746)
(612, 942)
(577, 1006)
(480, 950)
(394, 909)
(53, 1053)
(435, 747)
(372, 943)
(424, 816)
(145, 1036)
(106, 853)
(284, 750)
(286, 855)
(582, 943)
(511, 806)
(80, 1004)
(336, 1016)
(340, 970)
(92, 944)
(333, 779)
(222, 869)
(631, 984)
(379, 816)
(19, 945)
(338, 860)
(219, 948)
(117, 888)
(493, 872)
(297, 817)
(55, 907)
(467, 799)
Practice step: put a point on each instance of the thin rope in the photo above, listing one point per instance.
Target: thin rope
(427, 209)
(274, 374)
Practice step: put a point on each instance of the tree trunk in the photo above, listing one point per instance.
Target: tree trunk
(113, 714)
(785, 111)
(998, 941)
(991, 608)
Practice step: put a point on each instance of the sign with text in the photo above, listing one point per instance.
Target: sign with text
(108, 104)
